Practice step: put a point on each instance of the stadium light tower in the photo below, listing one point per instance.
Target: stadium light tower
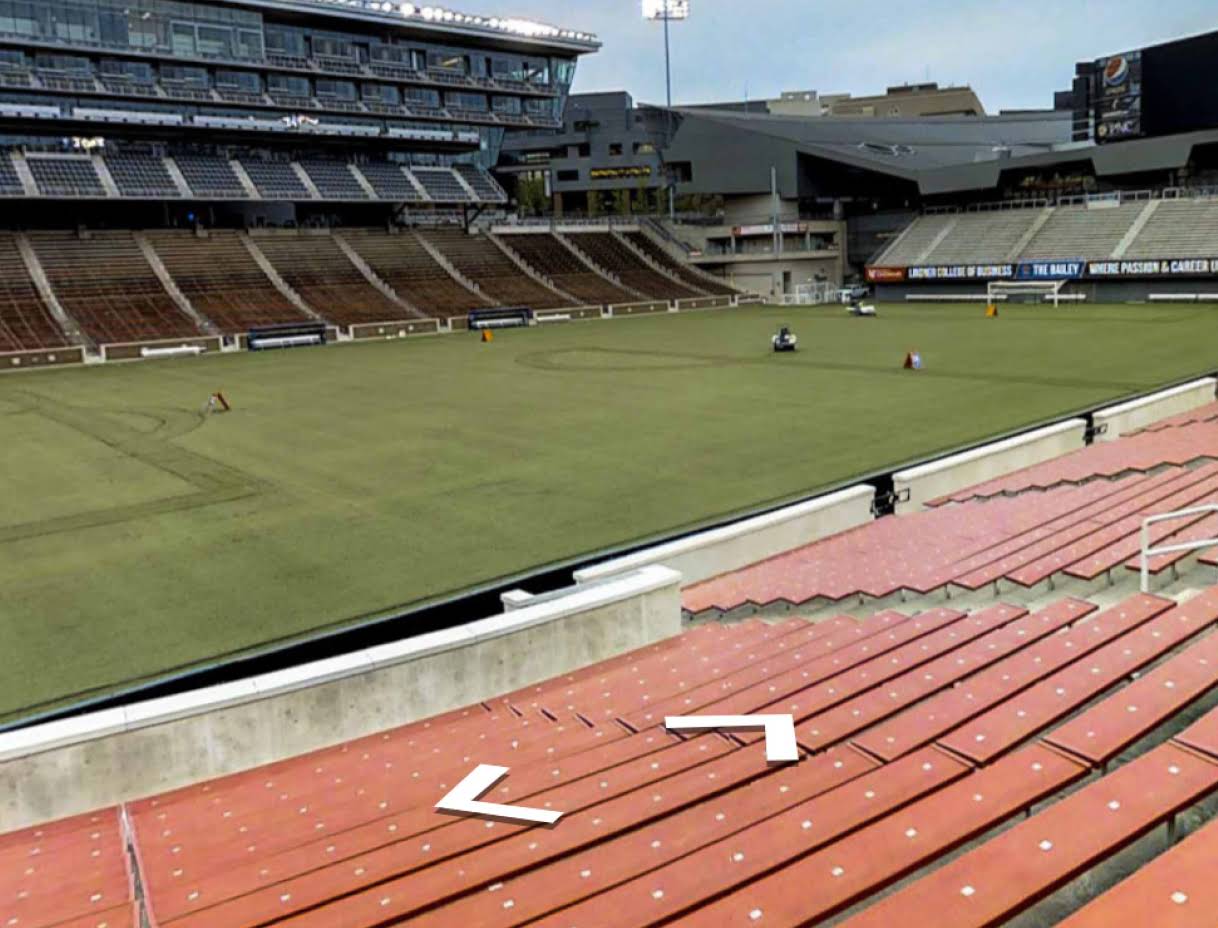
(667, 11)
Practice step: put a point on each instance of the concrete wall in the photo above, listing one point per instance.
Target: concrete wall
(1137, 414)
(572, 312)
(64, 768)
(721, 550)
(55, 357)
(395, 329)
(134, 350)
(941, 478)
(704, 302)
(638, 309)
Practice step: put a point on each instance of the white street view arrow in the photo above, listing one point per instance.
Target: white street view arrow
(463, 799)
(780, 745)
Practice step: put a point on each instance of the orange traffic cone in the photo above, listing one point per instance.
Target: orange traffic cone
(488, 335)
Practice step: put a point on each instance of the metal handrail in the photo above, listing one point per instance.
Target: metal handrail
(1148, 552)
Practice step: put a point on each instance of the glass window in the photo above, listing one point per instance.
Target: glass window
(382, 93)
(506, 104)
(242, 81)
(11, 58)
(136, 70)
(422, 96)
(340, 90)
(287, 85)
(466, 101)
(441, 60)
(184, 74)
(215, 42)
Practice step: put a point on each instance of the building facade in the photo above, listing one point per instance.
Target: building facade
(276, 79)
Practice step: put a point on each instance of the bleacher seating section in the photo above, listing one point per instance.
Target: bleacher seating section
(320, 271)
(499, 278)
(441, 185)
(549, 257)
(25, 322)
(611, 255)
(661, 257)
(106, 284)
(211, 177)
(1183, 228)
(1178, 229)
(223, 281)
(1080, 232)
(482, 183)
(987, 237)
(10, 183)
(275, 179)
(141, 176)
(66, 176)
(703, 832)
(390, 182)
(403, 263)
(334, 180)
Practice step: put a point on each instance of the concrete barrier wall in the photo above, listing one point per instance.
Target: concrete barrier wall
(638, 309)
(721, 550)
(64, 768)
(395, 329)
(1137, 414)
(54, 357)
(574, 312)
(940, 478)
(704, 302)
(127, 351)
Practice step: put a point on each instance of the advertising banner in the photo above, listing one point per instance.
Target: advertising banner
(886, 275)
(1051, 270)
(963, 272)
(1118, 97)
(1167, 267)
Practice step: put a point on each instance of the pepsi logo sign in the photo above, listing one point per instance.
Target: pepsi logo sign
(1116, 72)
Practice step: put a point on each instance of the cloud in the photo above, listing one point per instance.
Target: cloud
(1015, 53)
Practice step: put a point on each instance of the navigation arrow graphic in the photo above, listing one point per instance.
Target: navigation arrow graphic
(462, 799)
(780, 747)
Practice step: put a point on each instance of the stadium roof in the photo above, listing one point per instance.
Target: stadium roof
(434, 19)
(731, 152)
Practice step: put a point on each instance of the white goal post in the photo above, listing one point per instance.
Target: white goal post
(1020, 291)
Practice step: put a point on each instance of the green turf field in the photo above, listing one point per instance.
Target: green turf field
(138, 537)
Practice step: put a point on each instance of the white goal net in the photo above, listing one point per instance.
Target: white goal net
(1026, 291)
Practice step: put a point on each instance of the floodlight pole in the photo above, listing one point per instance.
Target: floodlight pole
(672, 186)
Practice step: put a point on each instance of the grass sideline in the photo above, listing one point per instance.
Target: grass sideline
(140, 537)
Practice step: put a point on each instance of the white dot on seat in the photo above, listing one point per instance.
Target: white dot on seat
(1179, 898)
(967, 891)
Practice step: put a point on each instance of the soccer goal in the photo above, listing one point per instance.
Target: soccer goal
(1025, 291)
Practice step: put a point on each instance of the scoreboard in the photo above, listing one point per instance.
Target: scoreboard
(1161, 90)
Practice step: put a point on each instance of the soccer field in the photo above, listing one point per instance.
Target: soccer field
(140, 537)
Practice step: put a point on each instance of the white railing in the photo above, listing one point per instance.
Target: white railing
(1148, 552)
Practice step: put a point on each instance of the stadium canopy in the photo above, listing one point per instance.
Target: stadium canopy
(721, 152)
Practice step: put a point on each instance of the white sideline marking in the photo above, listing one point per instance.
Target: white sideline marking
(463, 799)
(780, 745)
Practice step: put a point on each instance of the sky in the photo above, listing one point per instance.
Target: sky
(1014, 53)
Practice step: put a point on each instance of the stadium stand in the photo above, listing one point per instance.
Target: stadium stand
(320, 271)
(1178, 228)
(703, 831)
(479, 259)
(390, 181)
(442, 185)
(1078, 517)
(10, 183)
(665, 260)
(983, 237)
(913, 244)
(607, 252)
(485, 186)
(1083, 232)
(549, 257)
(25, 322)
(275, 179)
(210, 176)
(223, 281)
(105, 283)
(334, 180)
(403, 263)
(141, 176)
(65, 175)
